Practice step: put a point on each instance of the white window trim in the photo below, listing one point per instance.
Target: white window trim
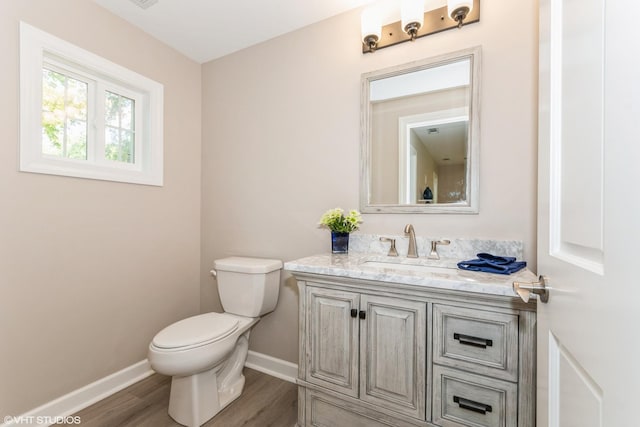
(34, 46)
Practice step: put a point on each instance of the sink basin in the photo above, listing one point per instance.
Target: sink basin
(422, 268)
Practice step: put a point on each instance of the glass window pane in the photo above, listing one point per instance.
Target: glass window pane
(127, 146)
(77, 139)
(64, 115)
(120, 135)
(126, 110)
(51, 137)
(112, 109)
(111, 144)
(76, 99)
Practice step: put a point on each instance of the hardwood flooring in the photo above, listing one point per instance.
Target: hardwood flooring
(265, 401)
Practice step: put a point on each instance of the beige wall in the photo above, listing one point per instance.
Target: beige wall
(425, 166)
(91, 270)
(281, 145)
(450, 180)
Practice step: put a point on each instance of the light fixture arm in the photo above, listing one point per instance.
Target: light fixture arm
(459, 15)
(412, 29)
(371, 42)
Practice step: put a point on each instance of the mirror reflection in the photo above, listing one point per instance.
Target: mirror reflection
(420, 136)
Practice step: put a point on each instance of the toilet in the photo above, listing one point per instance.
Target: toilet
(205, 354)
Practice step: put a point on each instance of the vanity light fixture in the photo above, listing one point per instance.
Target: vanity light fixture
(459, 9)
(371, 27)
(415, 22)
(412, 12)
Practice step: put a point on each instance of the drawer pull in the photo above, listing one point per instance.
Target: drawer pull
(471, 405)
(354, 312)
(474, 341)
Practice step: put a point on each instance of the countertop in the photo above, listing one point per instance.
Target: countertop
(410, 271)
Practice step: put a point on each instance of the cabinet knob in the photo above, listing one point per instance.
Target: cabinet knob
(354, 312)
(363, 314)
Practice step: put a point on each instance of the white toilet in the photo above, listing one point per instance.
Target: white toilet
(205, 354)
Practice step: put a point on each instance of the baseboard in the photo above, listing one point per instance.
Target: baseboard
(271, 366)
(69, 404)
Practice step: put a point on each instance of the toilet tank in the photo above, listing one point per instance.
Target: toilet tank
(248, 286)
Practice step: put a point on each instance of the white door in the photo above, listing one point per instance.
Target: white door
(589, 213)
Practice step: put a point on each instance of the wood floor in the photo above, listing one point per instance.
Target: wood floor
(265, 401)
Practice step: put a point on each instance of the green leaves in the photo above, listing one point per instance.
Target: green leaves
(335, 220)
(64, 115)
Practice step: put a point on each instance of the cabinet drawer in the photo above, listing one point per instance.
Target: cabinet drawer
(323, 410)
(484, 342)
(464, 399)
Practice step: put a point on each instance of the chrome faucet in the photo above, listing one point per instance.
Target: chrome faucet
(392, 249)
(434, 248)
(413, 250)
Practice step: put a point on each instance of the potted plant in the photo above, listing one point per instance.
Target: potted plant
(340, 225)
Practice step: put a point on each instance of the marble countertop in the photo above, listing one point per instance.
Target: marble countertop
(441, 274)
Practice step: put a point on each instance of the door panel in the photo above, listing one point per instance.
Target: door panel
(392, 366)
(580, 38)
(576, 132)
(577, 399)
(332, 339)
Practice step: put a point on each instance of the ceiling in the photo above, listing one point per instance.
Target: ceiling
(446, 142)
(208, 29)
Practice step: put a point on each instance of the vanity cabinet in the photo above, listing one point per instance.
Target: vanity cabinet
(385, 354)
(367, 346)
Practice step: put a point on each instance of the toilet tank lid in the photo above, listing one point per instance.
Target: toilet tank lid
(248, 265)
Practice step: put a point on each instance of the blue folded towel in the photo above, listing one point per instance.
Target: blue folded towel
(492, 264)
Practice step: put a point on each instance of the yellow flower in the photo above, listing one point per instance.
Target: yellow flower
(335, 220)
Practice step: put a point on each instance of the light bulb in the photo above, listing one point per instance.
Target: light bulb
(412, 13)
(459, 9)
(370, 27)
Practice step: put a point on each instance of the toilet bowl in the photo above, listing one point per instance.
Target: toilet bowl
(205, 354)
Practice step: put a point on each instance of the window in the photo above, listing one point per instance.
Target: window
(84, 116)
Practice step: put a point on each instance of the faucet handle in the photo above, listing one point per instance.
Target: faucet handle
(434, 248)
(392, 250)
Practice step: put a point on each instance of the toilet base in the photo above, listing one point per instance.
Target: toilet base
(232, 393)
(194, 400)
(197, 398)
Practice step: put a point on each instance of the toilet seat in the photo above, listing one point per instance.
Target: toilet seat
(195, 331)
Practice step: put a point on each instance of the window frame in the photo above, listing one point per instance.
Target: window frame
(39, 50)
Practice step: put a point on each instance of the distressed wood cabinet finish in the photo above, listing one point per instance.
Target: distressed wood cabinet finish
(367, 346)
(392, 353)
(481, 341)
(385, 354)
(332, 339)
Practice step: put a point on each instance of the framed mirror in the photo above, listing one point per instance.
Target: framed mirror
(420, 136)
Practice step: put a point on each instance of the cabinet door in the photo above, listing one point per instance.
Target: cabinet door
(332, 339)
(393, 339)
